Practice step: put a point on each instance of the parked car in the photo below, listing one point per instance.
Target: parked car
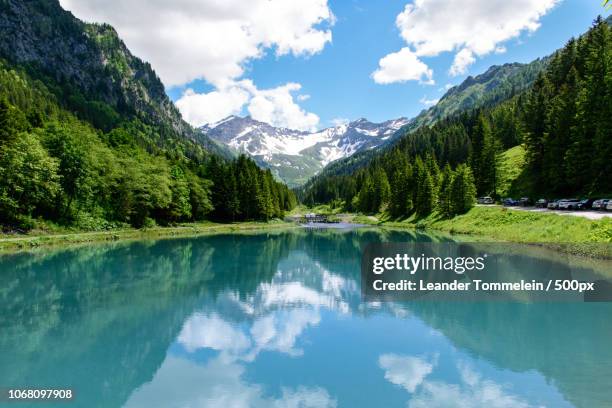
(525, 202)
(569, 204)
(585, 204)
(609, 205)
(553, 205)
(510, 202)
(600, 204)
(485, 200)
(542, 203)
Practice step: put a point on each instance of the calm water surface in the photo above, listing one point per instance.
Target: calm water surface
(276, 320)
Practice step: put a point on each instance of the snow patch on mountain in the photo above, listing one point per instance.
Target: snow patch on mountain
(296, 155)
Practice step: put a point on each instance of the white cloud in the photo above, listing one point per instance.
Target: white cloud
(191, 39)
(278, 331)
(303, 97)
(472, 392)
(180, 383)
(470, 28)
(201, 108)
(406, 371)
(275, 106)
(463, 59)
(402, 66)
(212, 332)
(428, 102)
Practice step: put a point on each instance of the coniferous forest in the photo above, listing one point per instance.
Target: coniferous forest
(562, 122)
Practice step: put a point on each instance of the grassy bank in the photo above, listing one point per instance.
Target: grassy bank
(571, 234)
(34, 239)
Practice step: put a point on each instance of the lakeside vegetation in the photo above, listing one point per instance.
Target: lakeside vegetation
(65, 237)
(572, 234)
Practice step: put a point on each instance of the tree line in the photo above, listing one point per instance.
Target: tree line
(243, 191)
(57, 167)
(563, 122)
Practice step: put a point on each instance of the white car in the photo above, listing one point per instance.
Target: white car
(600, 204)
(571, 204)
(609, 205)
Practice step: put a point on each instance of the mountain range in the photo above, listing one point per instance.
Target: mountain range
(295, 156)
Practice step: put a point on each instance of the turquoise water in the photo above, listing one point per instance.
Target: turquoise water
(276, 320)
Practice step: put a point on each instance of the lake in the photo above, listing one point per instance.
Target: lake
(276, 320)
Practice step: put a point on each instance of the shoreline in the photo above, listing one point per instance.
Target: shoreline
(479, 223)
(21, 243)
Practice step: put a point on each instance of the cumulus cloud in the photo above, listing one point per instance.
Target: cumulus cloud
(406, 371)
(276, 331)
(217, 382)
(470, 28)
(275, 106)
(472, 392)
(212, 332)
(201, 108)
(209, 39)
(186, 40)
(402, 66)
(463, 59)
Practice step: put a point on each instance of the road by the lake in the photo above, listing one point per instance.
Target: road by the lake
(591, 215)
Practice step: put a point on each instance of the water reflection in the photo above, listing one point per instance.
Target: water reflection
(277, 320)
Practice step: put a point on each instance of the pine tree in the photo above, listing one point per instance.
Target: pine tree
(444, 206)
(232, 200)
(536, 109)
(265, 206)
(462, 190)
(382, 190)
(425, 195)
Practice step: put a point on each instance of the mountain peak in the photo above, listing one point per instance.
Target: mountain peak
(296, 155)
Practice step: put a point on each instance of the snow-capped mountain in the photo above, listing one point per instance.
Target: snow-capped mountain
(293, 155)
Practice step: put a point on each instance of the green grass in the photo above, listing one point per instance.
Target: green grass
(511, 165)
(35, 239)
(566, 233)
(524, 226)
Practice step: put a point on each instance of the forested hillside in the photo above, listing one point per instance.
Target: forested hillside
(88, 137)
(497, 84)
(563, 121)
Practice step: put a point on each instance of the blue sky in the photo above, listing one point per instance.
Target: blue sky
(310, 64)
